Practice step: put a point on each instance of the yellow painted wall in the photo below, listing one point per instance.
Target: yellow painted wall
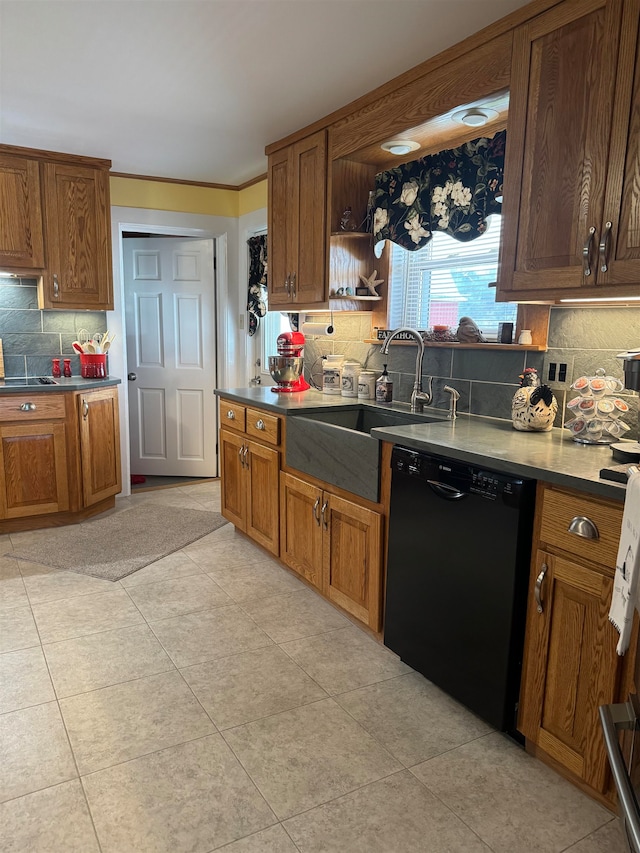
(160, 195)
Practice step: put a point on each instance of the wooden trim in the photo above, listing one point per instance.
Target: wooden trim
(187, 183)
(536, 752)
(492, 31)
(56, 156)
(59, 519)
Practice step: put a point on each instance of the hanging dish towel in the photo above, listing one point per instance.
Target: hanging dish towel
(625, 587)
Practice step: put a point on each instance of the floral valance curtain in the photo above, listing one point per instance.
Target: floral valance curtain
(453, 191)
(257, 301)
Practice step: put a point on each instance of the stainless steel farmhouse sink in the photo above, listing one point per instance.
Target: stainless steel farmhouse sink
(334, 445)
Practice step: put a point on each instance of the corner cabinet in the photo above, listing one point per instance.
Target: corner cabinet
(297, 219)
(571, 666)
(250, 463)
(59, 457)
(335, 544)
(57, 226)
(572, 188)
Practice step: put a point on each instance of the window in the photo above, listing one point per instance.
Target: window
(271, 325)
(446, 280)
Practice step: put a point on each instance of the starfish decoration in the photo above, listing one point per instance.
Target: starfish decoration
(371, 282)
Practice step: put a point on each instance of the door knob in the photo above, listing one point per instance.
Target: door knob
(131, 377)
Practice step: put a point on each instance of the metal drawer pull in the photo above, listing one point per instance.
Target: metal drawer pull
(586, 251)
(56, 287)
(604, 247)
(315, 511)
(584, 527)
(324, 518)
(260, 424)
(85, 409)
(28, 407)
(231, 415)
(538, 587)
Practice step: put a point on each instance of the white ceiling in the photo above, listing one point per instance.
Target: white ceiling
(195, 89)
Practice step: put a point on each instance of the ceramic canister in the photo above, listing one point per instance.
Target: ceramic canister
(367, 385)
(350, 372)
(332, 374)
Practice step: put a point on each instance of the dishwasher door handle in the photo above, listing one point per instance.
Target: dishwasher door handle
(449, 493)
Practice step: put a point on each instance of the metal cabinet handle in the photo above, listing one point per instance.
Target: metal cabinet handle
(56, 286)
(246, 456)
(287, 285)
(85, 409)
(240, 452)
(293, 285)
(604, 247)
(586, 251)
(315, 511)
(27, 407)
(584, 527)
(324, 518)
(231, 415)
(260, 424)
(537, 591)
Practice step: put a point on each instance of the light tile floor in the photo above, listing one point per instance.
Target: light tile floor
(212, 701)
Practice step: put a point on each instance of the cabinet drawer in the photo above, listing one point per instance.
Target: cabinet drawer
(37, 407)
(232, 415)
(263, 426)
(560, 509)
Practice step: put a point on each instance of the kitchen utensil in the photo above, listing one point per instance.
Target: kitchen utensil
(77, 346)
(83, 336)
(105, 346)
(90, 348)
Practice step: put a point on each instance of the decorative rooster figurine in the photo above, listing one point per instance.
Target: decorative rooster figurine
(534, 407)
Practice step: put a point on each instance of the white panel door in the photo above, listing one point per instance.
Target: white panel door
(170, 317)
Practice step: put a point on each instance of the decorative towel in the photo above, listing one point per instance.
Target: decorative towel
(625, 585)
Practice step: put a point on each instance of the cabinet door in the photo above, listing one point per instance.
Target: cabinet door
(300, 528)
(21, 239)
(33, 469)
(261, 474)
(232, 477)
(621, 242)
(560, 117)
(99, 445)
(78, 238)
(281, 198)
(352, 558)
(310, 241)
(571, 665)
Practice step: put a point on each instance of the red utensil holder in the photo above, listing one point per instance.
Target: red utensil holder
(93, 366)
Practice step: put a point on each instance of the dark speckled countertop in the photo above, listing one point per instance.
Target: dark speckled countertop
(549, 456)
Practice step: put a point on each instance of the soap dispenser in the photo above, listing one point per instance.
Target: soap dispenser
(384, 387)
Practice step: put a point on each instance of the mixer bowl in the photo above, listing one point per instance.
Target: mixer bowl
(285, 369)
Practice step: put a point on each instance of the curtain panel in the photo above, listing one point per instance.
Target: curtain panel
(257, 299)
(452, 191)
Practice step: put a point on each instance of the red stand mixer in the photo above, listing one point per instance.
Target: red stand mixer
(286, 367)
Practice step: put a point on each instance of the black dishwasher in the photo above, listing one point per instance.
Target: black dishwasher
(458, 567)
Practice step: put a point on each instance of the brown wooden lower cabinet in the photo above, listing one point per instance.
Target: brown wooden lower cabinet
(250, 472)
(59, 456)
(99, 445)
(571, 666)
(335, 544)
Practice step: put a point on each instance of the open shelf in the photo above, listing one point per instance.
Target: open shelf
(356, 298)
(351, 234)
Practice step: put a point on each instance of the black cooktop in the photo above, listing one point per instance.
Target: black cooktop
(27, 381)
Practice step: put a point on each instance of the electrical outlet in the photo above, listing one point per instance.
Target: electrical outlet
(551, 376)
(562, 372)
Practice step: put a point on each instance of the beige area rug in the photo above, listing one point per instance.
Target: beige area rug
(119, 544)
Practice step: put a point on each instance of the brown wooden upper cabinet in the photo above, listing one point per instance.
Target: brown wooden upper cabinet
(55, 224)
(21, 239)
(297, 188)
(572, 173)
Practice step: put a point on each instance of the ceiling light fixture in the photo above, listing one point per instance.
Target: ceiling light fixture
(400, 146)
(475, 117)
